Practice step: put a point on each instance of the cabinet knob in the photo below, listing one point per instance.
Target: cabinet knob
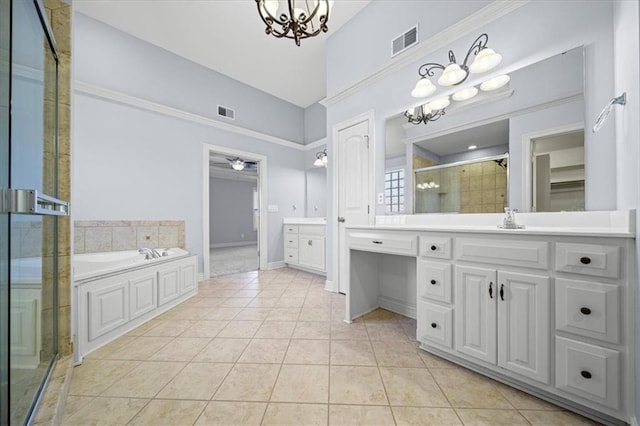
(434, 325)
(433, 282)
(585, 311)
(310, 242)
(585, 260)
(433, 248)
(585, 374)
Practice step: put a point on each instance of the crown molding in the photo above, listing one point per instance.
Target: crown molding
(477, 20)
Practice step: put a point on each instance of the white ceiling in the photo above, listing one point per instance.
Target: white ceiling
(484, 136)
(228, 36)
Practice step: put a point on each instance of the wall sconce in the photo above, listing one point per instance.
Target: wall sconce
(321, 159)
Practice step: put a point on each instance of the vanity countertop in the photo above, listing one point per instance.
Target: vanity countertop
(304, 221)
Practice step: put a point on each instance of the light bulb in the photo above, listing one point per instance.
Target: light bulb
(325, 160)
(426, 110)
(485, 60)
(495, 83)
(318, 163)
(464, 94)
(472, 147)
(452, 75)
(439, 103)
(424, 87)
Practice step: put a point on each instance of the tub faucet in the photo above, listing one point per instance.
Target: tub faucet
(150, 253)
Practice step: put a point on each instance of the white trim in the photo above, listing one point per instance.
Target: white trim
(136, 102)
(316, 144)
(236, 244)
(394, 305)
(527, 194)
(201, 277)
(330, 286)
(276, 265)
(471, 23)
(262, 195)
(633, 421)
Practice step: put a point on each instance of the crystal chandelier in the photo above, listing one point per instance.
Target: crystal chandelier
(295, 19)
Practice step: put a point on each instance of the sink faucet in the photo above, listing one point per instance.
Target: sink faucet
(509, 221)
(150, 253)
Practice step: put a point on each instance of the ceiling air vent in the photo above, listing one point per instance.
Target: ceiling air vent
(405, 41)
(226, 112)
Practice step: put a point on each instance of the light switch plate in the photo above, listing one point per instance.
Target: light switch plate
(380, 197)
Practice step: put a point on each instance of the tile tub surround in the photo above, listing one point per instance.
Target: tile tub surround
(271, 347)
(101, 236)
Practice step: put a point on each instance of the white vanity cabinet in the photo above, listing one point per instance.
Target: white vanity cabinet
(304, 246)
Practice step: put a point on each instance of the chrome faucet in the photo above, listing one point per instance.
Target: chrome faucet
(150, 253)
(509, 221)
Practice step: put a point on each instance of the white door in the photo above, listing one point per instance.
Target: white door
(475, 312)
(523, 324)
(354, 194)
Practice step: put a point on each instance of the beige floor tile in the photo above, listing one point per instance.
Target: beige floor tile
(169, 412)
(73, 404)
(246, 293)
(246, 329)
(397, 354)
(276, 330)
(358, 415)
(265, 351)
(380, 315)
(284, 314)
(196, 381)
(484, 417)
(92, 377)
(208, 302)
(141, 329)
(191, 313)
(315, 314)
(171, 328)
(311, 330)
(142, 348)
(555, 418)
(322, 301)
(425, 416)
(287, 301)
(270, 293)
(221, 314)
(343, 331)
(263, 302)
(222, 350)
(107, 411)
(524, 401)
(204, 329)
(352, 352)
(296, 414)
(248, 382)
(181, 349)
(464, 389)
(434, 361)
(222, 413)
(236, 302)
(107, 350)
(307, 352)
(386, 331)
(302, 383)
(146, 380)
(253, 314)
(297, 290)
(413, 387)
(356, 385)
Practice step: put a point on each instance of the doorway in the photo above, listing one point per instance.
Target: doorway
(234, 215)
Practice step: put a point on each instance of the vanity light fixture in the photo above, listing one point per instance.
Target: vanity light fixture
(495, 83)
(423, 114)
(472, 147)
(428, 185)
(295, 19)
(321, 159)
(465, 94)
(484, 59)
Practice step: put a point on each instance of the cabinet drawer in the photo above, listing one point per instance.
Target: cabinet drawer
(529, 254)
(290, 255)
(435, 324)
(588, 259)
(437, 247)
(311, 230)
(290, 241)
(589, 309)
(384, 242)
(434, 281)
(291, 229)
(588, 371)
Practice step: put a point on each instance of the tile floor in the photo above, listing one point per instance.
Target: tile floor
(272, 348)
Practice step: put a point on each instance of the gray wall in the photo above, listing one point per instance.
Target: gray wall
(231, 212)
(315, 123)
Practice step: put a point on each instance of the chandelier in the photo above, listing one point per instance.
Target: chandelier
(295, 19)
(423, 114)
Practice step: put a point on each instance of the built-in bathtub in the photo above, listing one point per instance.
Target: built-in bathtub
(117, 291)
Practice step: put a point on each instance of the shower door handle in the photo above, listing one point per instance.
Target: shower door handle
(30, 201)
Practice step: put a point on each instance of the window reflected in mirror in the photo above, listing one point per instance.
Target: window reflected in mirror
(394, 191)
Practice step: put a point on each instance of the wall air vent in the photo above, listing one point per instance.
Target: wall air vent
(404, 41)
(226, 112)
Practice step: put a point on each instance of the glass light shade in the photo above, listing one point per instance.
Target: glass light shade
(472, 147)
(495, 83)
(439, 103)
(272, 7)
(485, 60)
(322, 8)
(451, 75)
(426, 110)
(318, 162)
(237, 165)
(424, 87)
(325, 160)
(464, 94)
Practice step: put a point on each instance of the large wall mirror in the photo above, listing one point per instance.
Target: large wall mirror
(316, 186)
(520, 146)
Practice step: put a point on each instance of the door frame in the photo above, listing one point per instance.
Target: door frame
(369, 116)
(527, 158)
(262, 197)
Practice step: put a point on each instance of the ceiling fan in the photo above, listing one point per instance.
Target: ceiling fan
(237, 164)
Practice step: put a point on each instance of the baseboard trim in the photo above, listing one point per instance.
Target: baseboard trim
(329, 285)
(275, 265)
(201, 276)
(633, 421)
(236, 244)
(398, 307)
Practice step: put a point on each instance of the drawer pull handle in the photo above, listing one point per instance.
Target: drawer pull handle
(376, 242)
(502, 292)
(585, 374)
(434, 325)
(433, 248)
(310, 242)
(433, 282)
(490, 290)
(585, 311)
(585, 260)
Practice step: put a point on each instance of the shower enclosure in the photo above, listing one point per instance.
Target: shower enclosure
(28, 206)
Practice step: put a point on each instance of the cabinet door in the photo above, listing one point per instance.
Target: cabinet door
(188, 279)
(108, 306)
(523, 324)
(311, 252)
(168, 285)
(142, 294)
(475, 312)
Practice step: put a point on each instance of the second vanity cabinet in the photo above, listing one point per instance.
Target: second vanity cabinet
(304, 246)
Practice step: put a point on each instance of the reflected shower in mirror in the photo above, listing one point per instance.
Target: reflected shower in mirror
(316, 183)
